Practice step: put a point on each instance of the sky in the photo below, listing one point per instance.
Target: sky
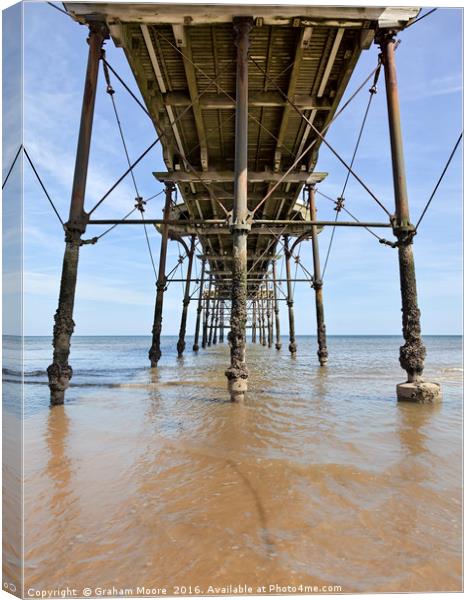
(116, 285)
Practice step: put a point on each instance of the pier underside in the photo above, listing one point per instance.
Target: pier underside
(241, 98)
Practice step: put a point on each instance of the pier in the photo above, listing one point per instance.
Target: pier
(241, 98)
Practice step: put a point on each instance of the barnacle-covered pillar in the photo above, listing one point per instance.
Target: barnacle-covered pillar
(237, 373)
(212, 319)
(195, 347)
(269, 315)
(412, 353)
(154, 353)
(217, 319)
(181, 345)
(291, 313)
(278, 343)
(207, 312)
(254, 321)
(221, 336)
(262, 338)
(60, 372)
(317, 283)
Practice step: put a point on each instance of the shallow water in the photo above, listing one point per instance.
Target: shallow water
(322, 478)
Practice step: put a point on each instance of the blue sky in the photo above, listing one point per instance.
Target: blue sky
(116, 289)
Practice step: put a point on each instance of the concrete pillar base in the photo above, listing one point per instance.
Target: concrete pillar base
(420, 392)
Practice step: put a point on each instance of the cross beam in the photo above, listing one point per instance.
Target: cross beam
(212, 176)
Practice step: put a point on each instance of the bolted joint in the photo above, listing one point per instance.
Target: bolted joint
(404, 232)
(161, 286)
(242, 27)
(384, 37)
(241, 227)
(75, 228)
(317, 284)
(290, 303)
(186, 302)
(98, 28)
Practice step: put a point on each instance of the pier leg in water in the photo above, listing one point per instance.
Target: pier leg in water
(278, 343)
(60, 372)
(291, 314)
(412, 353)
(262, 323)
(212, 320)
(207, 313)
(221, 335)
(217, 319)
(195, 347)
(154, 353)
(269, 319)
(317, 283)
(181, 345)
(254, 321)
(237, 373)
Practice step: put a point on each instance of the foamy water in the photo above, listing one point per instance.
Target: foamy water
(154, 479)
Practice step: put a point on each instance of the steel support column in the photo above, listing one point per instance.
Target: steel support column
(221, 336)
(269, 316)
(237, 373)
(60, 372)
(212, 320)
(195, 347)
(217, 319)
(262, 319)
(181, 345)
(154, 353)
(278, 343)
(317, 283)
(207, 312)
(291, 313)
(412, 353)
(254, 321)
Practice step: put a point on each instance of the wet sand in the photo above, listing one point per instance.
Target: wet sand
(319, 479)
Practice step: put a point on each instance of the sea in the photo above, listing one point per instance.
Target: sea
(151, 480)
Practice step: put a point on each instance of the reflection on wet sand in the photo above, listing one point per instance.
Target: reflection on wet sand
(168, 484)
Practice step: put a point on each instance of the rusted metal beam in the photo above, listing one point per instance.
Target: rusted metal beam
(330, 63)
(221, 223)
(60, 372)
(412, 353)
(317, 284)
(302, 43)
(237, 373)
(195, 346)
(181, 344)
(194, 100)
(154, 353)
